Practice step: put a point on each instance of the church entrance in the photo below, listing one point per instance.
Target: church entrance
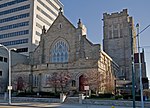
(20, 84)
(82, 82)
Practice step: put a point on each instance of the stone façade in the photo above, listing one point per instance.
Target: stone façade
(87, 64)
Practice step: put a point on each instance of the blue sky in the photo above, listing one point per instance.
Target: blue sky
(91, 14)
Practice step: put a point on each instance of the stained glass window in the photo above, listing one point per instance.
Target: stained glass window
(59, 52)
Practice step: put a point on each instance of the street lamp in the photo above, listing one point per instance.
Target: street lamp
(140, 67)
(9, 67)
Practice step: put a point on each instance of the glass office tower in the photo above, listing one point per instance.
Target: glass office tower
(21, 22)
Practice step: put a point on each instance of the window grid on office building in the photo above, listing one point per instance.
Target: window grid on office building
(39, 25)
(44, 13)
(19, 33)
(15, 9)
(22, 41)
(52, 5)
(43, 20)
(14, 26)
(47, 8)
(11, 3)
(14, 14)
(14, 18)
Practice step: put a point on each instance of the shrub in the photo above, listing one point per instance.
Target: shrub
(106, 95)
(26, 94)
(138, 98)
(49, 94)
(118, 97)
(127, 96)
(38, 94)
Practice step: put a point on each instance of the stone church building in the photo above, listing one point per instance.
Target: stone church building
(120, 44)
(65, 60)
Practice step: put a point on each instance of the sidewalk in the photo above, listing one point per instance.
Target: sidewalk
(31, 105)
(22, 102)
(54, 105)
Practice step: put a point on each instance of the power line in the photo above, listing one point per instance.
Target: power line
(145, 47)
(147, 52)
(143, 30)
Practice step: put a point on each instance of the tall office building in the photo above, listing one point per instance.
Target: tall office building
(21, 22)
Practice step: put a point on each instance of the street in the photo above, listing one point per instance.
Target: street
(53, 105)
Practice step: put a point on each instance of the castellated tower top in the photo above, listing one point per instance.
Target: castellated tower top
(116, 14)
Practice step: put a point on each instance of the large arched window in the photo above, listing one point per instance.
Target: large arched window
(59, 52)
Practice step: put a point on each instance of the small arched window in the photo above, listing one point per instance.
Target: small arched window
(59, 52)
(73, 83)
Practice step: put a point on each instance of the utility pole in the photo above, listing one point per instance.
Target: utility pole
(133, 71)
(140, 67)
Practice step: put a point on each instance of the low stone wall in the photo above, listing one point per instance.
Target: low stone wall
(114, 102)
(31, 99)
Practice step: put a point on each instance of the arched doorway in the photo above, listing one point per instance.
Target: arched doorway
(20, 84)
(82, 82)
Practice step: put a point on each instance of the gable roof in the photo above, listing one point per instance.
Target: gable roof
(61, 16)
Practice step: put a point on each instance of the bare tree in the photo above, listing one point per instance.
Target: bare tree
(20, 84)
(64, 80)
(94, 80)
(100, 82)
(54, 81)
(59, 80)
(109, 82)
